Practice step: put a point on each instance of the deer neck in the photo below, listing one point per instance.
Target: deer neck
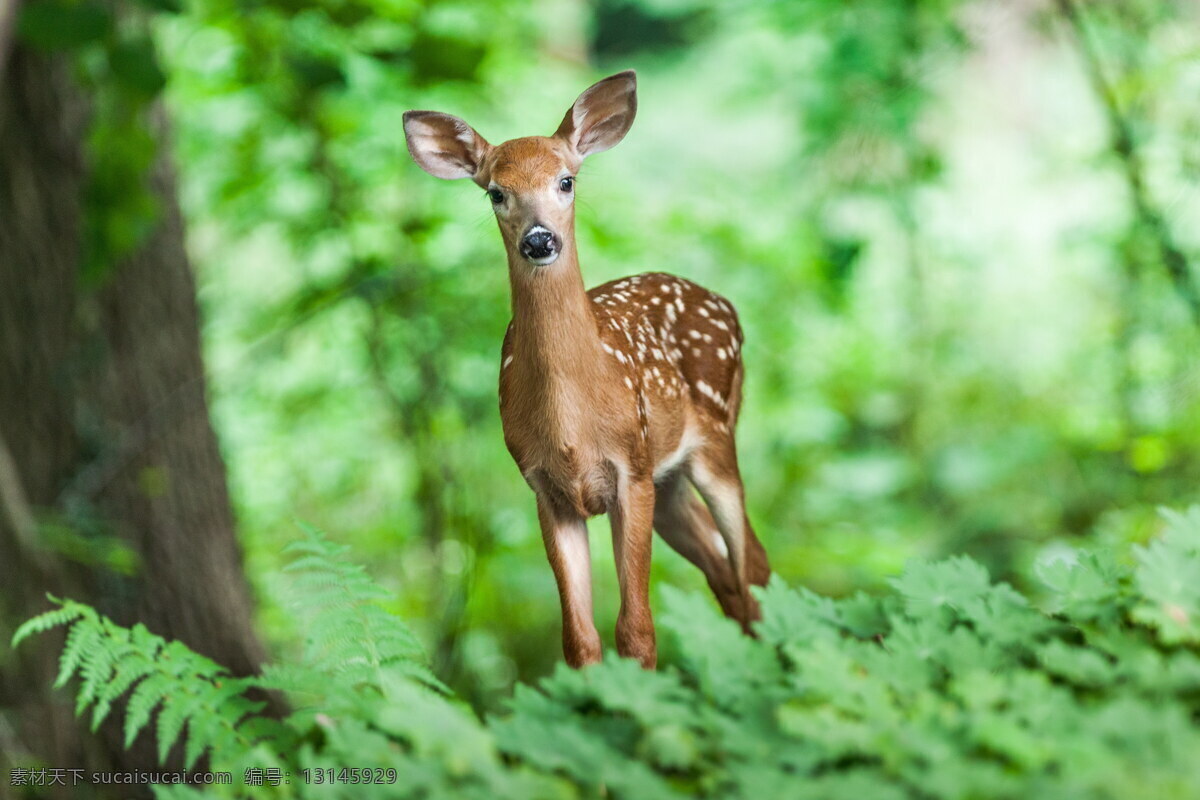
(554, 330)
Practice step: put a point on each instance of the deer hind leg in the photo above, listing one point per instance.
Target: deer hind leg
(714, 472)
(566, 539)
(687, 526)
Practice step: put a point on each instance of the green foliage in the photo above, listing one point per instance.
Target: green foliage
(114, 58)
(346, 633)
(169, 683)
(63, 25)
(952, 686)
(958, 338)
(936, 363)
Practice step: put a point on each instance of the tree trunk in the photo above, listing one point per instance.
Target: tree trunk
(104, 422)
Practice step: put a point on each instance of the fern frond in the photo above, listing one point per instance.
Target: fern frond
(67, 612)
(348, 634)
(98, 666)
(190, 692)
(129, 669)
(82, 640)
(145, 698)
(176, 709)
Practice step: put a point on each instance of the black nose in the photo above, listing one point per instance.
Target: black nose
(538, 243)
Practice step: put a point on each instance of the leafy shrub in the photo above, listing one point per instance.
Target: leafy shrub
(950, 687)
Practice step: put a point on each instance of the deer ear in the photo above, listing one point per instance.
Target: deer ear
(602, 115)
(444, 145)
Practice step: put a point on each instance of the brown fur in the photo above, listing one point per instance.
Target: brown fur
(617, 400)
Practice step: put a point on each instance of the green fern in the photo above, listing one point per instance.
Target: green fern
(355, 656)
(952, 686)
(51, 619)
(352, 645)
(347, 631)
(184, 687)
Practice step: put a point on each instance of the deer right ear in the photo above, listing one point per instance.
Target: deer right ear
(444, 145)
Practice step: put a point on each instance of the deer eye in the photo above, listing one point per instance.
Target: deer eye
(496, 196)
(566, 184)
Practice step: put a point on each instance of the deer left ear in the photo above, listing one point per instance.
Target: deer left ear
(602, 115)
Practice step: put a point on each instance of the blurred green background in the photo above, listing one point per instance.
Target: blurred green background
(953, 232)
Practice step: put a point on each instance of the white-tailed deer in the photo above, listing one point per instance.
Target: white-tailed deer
(616, 400)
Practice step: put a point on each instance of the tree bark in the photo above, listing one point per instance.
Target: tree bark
(104, 421)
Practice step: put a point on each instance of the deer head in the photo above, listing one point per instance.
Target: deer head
(530, 181)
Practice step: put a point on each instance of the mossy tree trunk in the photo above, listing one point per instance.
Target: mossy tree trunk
(105, 439)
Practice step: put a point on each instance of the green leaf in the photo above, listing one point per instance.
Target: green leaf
(316, 72)
(169, 6)
(177, 708)
(135, 66)
(437, 58)
(1083, 589)
(795, 615)
(61, 25)
(863, 615)
(80, 642)
(148, 694)
(729, 665)
(44, 622)
(931, 588)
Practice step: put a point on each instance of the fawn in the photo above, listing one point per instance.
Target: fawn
(619, 399)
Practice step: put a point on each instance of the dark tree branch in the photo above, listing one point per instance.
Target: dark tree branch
(1123, 145)
(16, 507)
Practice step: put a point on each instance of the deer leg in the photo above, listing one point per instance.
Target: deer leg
(632, 529)
(714, 473)
(687, 526)
(566, 539)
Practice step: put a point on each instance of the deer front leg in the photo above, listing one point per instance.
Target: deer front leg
(566, 538)
(632, 529)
